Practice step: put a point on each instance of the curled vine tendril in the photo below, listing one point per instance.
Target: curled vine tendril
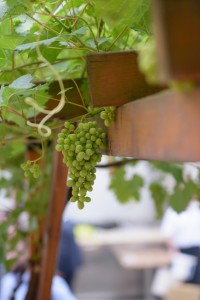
(43, 129)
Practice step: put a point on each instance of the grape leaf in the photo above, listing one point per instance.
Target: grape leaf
(159, 195)
(124, 189)
(181, 197)
(30, 46)
(23, 82)
(121, 13)
(173, 169)
(10, 41)
(4, 8)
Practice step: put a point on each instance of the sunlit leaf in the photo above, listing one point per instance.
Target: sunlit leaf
(3, 9)
(10, 41)
(23, 82)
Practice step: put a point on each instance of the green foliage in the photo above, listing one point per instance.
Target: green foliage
(126, 189)
(45, 41)
(182, 195)
(178, 195)
(122, 13)
(159, 195)
(175, 169)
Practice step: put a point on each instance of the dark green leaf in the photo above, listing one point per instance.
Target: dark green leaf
(159, 194)
(182, 195)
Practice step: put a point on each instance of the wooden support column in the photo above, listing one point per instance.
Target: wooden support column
(52, 232)
(164, 127)
(176, 25)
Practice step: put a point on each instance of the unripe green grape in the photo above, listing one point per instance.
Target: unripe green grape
(82, 198)
(26, 173)
(83, 140)
(83, 173)
(81, 180)
(74, 163)
(72, 147)
(83, 192)
(67, 124)
(66, 141)
(80, 205)
(80, 156)
(98, 141)
(70, 183)
(36, 175)
(24, 166)
(60, 141)
(89, 152)
(73, 199)
(71, 127)
(81, 151)
(79, 148)
(92, 130)
(103, 115)
(87, 165)
(78, 184)
(93, 138)
(87, 186)
(86, 126)
(59, 147)
(87, 199)
(107, 122)
(74, 192)
(88, 146)
(72, 137)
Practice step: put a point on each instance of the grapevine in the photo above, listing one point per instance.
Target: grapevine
(31, 168)
(81, 148)
(108, 115)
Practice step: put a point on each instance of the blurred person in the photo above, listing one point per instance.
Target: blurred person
(183, 240)
(182, 231)
(69, 254)
(14, 285)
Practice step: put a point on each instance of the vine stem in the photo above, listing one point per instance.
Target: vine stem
(117, 37)
(43, 129)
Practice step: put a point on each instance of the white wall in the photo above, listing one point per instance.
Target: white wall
(104, 206)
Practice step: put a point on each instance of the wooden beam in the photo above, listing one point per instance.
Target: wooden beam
(164, 127)
(176, 26)
(114, 79)
(52, 232)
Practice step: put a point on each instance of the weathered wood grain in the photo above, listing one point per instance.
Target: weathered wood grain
(52, 232)
(114, 79)
(164, 127)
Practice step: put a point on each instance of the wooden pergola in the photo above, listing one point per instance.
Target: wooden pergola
(152, 122)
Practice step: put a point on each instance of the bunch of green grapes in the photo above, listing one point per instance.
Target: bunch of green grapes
(31, 168)
(108, 115)
(81, 148)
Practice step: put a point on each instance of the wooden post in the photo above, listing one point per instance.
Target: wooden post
(53, 226)
(176, 25)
